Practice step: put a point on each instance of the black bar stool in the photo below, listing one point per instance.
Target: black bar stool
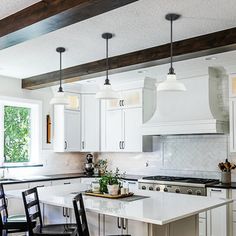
(33, 213)
(10, 224)
(80, 216)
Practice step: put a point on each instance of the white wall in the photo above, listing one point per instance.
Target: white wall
(52, 162)
(189, 155)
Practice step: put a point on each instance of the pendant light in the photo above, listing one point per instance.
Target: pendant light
(171, 83)
(106, 92)
(60, 98)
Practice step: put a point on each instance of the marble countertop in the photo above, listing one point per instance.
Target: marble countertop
(159, 208)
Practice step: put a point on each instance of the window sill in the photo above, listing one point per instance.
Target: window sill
(20, 165)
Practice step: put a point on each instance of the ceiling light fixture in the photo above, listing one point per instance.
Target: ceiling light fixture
(171, 83)
(60, 98)
(106, 92)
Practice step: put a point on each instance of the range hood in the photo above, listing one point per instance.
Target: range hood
(199, 110)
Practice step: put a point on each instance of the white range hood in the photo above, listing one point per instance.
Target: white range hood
(199, 110)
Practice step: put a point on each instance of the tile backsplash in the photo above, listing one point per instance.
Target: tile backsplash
(182, 155)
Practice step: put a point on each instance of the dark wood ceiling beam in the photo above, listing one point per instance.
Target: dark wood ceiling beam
(50, 15)
(204, 45)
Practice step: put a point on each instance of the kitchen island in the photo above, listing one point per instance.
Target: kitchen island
(157, 213)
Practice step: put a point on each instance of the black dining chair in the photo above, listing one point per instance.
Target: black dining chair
(80, 216)
(10, 224)
(33, 213)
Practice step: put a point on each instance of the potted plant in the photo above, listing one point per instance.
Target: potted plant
(226, 168)
(109, 182)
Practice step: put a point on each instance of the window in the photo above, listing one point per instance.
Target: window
(17, 133)
(20, 131)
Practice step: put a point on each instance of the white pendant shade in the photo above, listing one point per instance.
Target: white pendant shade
(171, 84)
(107, 93)
(60, 99)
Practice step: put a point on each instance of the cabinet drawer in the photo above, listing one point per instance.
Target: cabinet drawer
(66, 181)
(40, 184)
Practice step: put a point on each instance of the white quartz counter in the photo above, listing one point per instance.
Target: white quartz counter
(160, 208)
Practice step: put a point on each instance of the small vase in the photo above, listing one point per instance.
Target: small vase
(225, 177)
(113, 189)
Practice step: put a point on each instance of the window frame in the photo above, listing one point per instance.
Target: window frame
(35, 124)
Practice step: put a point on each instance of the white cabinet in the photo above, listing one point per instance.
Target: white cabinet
(232, 114)
(66, 130)
(55, 214)
(136, 228)
(40, 184)
(15, 205)
(217, 219)
(66, 181)
(114, 130)
(90, 125)
(123, 130)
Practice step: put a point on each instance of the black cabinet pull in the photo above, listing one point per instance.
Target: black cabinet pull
(65, 145)
(124, 226)
(118, 223)
(122, 103)
(120, 144)
(123, 144)
(63, 212)
(67, 183)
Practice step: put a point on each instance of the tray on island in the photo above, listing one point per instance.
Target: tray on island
(105, 195)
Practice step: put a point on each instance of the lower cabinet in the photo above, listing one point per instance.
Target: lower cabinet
(114, 225)
(55, 214)
(15, 205)
(66, 181)
(218, 218)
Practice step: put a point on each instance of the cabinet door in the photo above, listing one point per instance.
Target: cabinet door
(136, 228)
(217, 218)
(72, 131)
(114, 130)
(232, 113)
(54, 214)
(132, 130)
(90, 123)
(15, 205)
(113, 225)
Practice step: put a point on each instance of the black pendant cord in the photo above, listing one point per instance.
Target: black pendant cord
(171, 70)
(60, 74)
(107, 82)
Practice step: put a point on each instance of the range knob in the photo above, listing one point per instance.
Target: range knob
(158, 189)
(144, 188)
(177, 190)
(190, 191)
(199, 192)
(151, 188)
(165, 189)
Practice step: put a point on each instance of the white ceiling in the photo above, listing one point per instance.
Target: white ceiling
(136, 26)
(9, 7)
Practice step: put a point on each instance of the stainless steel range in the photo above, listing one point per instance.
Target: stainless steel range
(184, 185)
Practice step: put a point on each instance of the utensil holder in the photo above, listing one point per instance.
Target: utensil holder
(226, 177)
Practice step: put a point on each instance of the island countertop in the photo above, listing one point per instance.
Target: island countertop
(158, 208)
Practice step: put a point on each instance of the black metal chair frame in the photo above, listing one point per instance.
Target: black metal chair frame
(80, 216)
(12, 226)
(32, 218)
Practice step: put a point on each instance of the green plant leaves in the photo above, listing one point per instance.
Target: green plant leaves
(16, 134)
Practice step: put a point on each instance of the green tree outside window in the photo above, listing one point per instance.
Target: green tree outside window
(16, 134)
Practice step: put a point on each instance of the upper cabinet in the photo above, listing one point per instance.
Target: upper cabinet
(122, 121)
(129, 99)
(90, 125)
(77, 125)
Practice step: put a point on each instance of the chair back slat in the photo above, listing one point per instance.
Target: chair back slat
(80, 216)
(31, 202)
(3, 207)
